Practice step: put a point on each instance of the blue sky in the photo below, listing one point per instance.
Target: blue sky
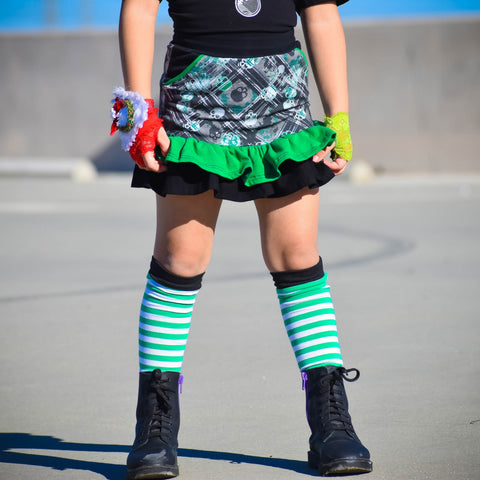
(75, 14)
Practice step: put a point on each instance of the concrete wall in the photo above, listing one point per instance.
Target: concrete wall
(415, 95)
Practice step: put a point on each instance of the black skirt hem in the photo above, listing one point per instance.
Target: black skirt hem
(189, 179)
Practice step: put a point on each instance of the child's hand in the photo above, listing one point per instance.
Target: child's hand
(150, 160)
(337, 166)
(322, 154)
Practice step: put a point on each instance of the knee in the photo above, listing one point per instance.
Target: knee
(291, 258)
(184, 262)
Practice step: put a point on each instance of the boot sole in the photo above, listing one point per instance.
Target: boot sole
(342, 466)
(152, 473)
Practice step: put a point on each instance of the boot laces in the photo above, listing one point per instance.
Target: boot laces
(161, 423)
(339, 418)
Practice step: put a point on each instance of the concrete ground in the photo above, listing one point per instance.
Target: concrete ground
(403, 259)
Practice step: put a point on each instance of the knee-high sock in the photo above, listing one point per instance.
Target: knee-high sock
(165, 317)
(309, 316)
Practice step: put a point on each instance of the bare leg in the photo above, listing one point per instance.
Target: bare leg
(185, 232)
(288, 227)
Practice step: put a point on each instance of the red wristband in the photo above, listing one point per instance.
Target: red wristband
(146, 139)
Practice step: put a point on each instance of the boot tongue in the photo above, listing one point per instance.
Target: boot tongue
(161, 384)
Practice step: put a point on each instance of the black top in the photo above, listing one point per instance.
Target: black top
(237, 28)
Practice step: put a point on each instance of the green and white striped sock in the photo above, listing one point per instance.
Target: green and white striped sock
(309, 318)
(165, 317)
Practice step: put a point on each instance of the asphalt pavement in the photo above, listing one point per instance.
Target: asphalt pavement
(403, 259)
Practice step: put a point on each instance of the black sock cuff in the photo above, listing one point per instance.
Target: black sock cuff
(291, 278)
(171, 280)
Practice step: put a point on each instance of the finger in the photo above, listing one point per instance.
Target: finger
(153, 164)
(337, 166)
(163, 141)
(341, 162)
(322, 154)
(334, 168)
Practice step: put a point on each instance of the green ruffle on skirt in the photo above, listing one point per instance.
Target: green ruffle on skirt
(252, 164)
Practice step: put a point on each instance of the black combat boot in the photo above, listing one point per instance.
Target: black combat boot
(335, 448)
(154, 451)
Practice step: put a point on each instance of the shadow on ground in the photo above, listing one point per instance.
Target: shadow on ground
(9, 442)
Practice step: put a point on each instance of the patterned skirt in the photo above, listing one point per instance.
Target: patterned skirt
(239, 126)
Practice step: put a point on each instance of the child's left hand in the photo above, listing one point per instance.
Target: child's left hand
(337, 166)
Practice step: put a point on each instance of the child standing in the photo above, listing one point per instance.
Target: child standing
(234, 124)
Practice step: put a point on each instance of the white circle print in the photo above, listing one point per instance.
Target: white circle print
(248, 8)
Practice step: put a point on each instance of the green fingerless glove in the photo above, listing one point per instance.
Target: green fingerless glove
(340, 125)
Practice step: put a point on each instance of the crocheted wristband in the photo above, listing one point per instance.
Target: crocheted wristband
(339, 123)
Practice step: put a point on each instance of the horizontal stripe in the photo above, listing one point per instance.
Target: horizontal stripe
(147, 357)
(314, 284)
(147, 365)
(318, 296)
(165, 319)
(332, 361)
(174, 318)
(171, 317)
(307, 335)
(161, 340)
(319, 314)
(152, 306)
(316, 342)
(149, 352)
(319, 303)
(320, 319)
(160, 290)
(318, 350)
(174, 327)
(307, 329)
(324, 352)
(158, 343)
(162, 335)
(155, 286)
(173, 331)
(187, 310)
(321, 360)
(160, 299)
(303, 311)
